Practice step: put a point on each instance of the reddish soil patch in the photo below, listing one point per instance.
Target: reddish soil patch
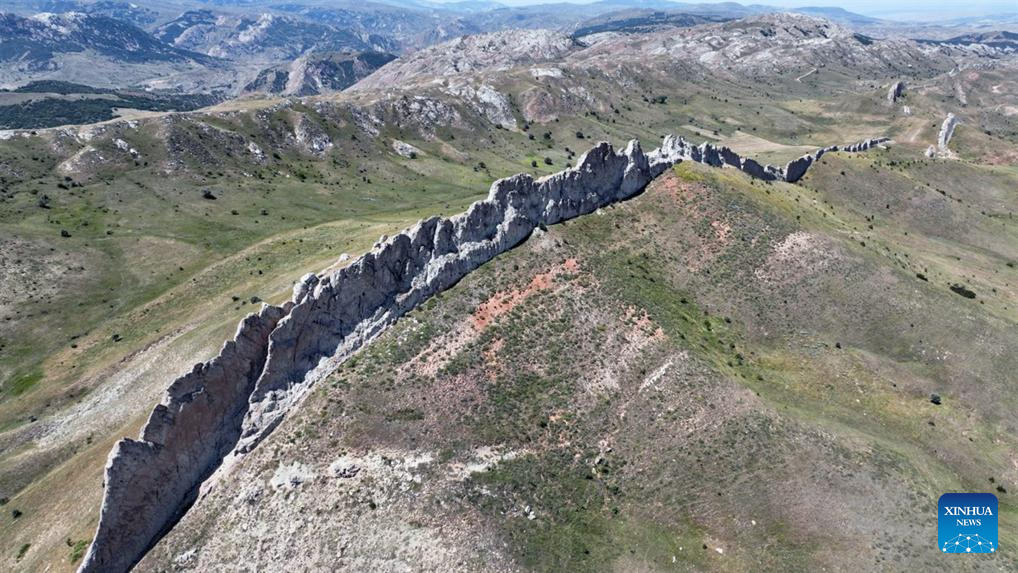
(503, 302)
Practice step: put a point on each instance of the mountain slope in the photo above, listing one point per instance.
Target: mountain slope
(313, 74)
(639, 21)
(34, 43)
(265, 38)
(482, 53)
(134, 247)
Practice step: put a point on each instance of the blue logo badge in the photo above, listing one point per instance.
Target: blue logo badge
(967, 523)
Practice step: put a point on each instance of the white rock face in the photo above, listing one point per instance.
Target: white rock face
(150, 480)
(946, 133)
(486, 101)
(226, 406)
(404, 149)
(311, 136)
(896, 90)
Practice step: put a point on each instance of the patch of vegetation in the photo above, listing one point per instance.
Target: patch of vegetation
(78, 549)
(51, 112)
(20, 384)
(558, 515)
(962, 290)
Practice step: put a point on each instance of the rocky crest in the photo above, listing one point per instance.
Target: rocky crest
(946, 133)
(225, 407)
(796, 168)
(896, 90)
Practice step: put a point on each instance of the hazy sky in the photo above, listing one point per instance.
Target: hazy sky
(917, 9)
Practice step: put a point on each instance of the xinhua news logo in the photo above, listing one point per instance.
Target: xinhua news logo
(967, 523)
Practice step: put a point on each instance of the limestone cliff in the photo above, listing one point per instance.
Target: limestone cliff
(151, 481)
(896, 90)
(946, 133)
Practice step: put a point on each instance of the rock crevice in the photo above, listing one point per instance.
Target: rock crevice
(225, 407)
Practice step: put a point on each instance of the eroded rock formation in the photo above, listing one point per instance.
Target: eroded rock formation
(895, 91)
(151, 481)
(946, 133)
(226, 406)
(798, 167)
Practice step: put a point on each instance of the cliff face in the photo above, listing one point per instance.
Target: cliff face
(896, 90)
(151, 481)
(227, 406)
(946, 133)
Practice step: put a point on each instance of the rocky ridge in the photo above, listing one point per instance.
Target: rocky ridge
(896, 90)
(225, 407)
(946, 133)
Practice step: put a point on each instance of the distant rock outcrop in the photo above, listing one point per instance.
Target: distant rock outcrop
(946, 133)
(796, 168)
(896, 90)
(226, 406)
(313, 74)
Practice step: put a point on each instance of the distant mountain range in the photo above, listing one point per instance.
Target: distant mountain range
(35, 43)
(236, 46)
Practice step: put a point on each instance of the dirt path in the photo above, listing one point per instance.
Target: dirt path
(807, 74)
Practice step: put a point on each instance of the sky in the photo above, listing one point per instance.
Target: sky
(891, 9)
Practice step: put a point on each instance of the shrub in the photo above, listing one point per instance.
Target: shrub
(961, 290)
(78, 550)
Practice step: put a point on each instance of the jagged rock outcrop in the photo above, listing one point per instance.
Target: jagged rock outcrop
(796, 168)
(272, 361)
(225, 407)
(896, 90)
(151, 481)
(946, 133)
